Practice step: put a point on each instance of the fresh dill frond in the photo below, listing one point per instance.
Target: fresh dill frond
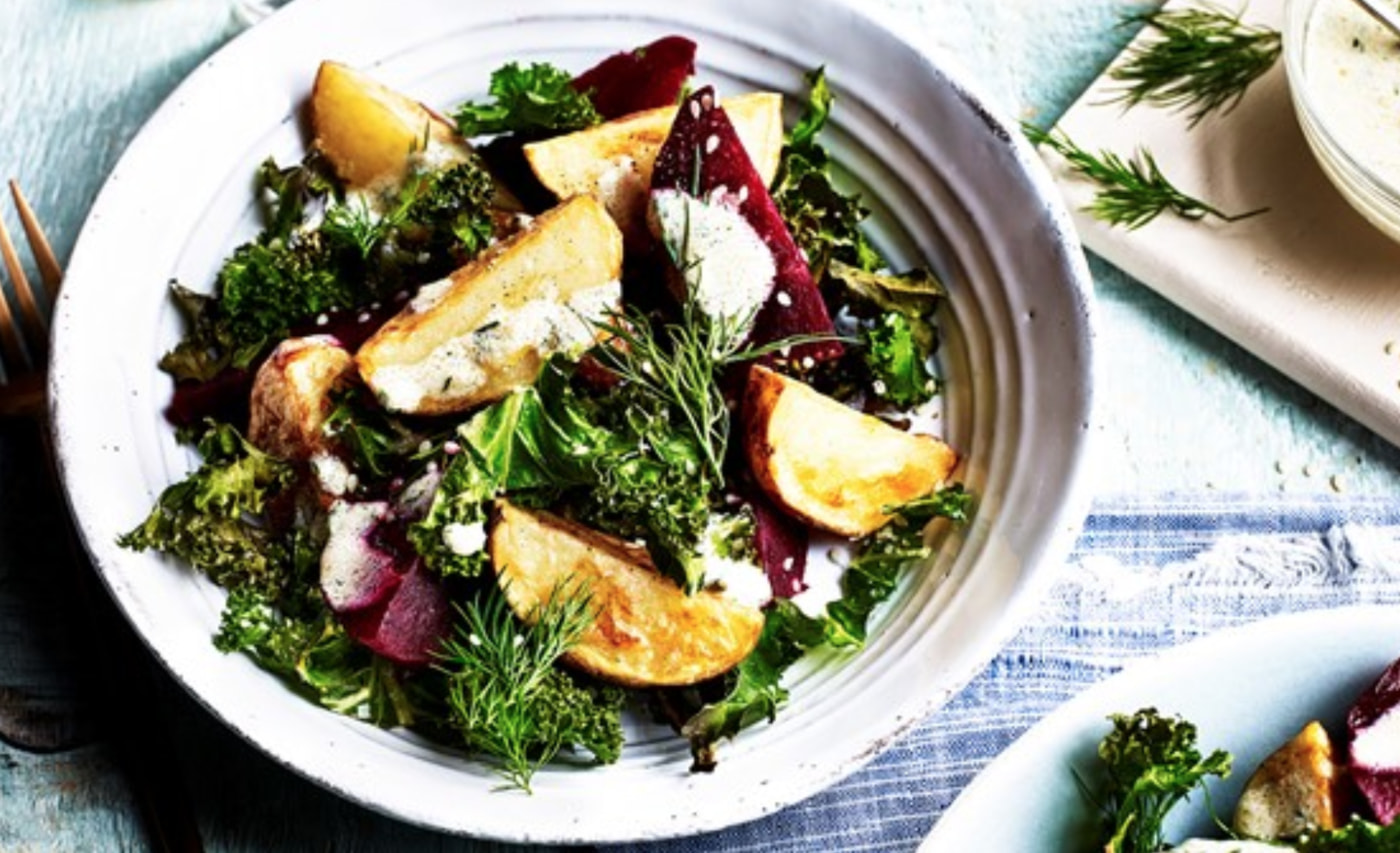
(1199, 60)
(1131, 192)
(505, 693)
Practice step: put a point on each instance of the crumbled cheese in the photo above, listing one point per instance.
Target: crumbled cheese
(334, 477)
(728, 268)
(464, 539)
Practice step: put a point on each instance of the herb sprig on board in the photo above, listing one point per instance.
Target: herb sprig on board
(1132, 192)
(1199, 60)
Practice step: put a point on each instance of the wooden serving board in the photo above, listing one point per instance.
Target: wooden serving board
(1309, 286)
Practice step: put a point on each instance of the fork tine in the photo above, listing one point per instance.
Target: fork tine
(50, 273)
(33, 321)
(10, 345)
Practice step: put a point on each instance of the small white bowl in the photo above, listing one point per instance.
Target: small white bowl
(1348, 106)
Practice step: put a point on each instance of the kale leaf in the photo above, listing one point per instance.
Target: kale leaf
(882, 557)
(1359, 836)
(1151, 762)
(535, 100)
(898, 365)
(215, 519)
(824, 221)
(753, 689)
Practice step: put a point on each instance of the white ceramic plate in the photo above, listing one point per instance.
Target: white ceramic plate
(967, 196)
(1247, 689)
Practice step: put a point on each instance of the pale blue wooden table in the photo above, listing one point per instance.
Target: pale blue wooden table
(1181, 409)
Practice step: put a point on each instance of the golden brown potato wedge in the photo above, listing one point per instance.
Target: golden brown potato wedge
(647, 632)
(828, 464)
(291, 396)
(613, 161)
(368, 131)
(1292, 790)
(489, 327)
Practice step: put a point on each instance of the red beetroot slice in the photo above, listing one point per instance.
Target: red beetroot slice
(410, 627)
(357, 573)
(642, 79)
(781, 542)
(704, 157)
(1376, 768)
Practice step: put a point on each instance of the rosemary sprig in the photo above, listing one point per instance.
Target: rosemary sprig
(1131, 192)
(1200, 60)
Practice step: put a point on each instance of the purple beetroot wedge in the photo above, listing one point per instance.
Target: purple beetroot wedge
(1373, 732)
(642, 79)
(719, 222)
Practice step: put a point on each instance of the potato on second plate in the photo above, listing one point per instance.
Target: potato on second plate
(487, 329)
(647, 631)
(613, 161)
(830, 465)
(1292, 790)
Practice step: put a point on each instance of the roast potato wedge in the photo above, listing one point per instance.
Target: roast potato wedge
(291, 396)
(613, 161)
(646, 632)
(368, 131)
(1292, 790)
(489, 327)
(828, 464)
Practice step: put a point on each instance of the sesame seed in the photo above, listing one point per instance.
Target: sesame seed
(363, 318)
(474, 639)
(808, 362)
(322, 319)
(451, 448)
(743, 193)
(784, 298)
(694, 109)
(707, 101)
(712, 143)
(787, 563)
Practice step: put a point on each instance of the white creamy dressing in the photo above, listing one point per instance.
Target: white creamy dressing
(343, 560)
(740, 580)
(464, 539)
(728, 268)
(333, 475)
(825, 568)
(1352, 69)
(1378, 745)
(455, 368)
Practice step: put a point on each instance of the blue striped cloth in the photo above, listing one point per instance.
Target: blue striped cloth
(1142, 577)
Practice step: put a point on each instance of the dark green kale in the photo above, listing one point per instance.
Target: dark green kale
(216, 518)
(1359, 836)
(461, 498)
(534, 100)
(509, 700)
(896, 329)
(882, 557)
(753, 690)
(1151, 762)
(379, 445)
(898, 367)
(357, 254)
(313, 653)
(824, 221)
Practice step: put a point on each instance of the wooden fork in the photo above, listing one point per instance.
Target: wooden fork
(127, 685)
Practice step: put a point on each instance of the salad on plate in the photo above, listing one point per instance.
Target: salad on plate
(590, 398)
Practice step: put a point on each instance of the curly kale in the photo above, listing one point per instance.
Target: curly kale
(509, 700)
(534, 100)
(356, 254)
(1151, 762)
(824, 221)
(1358, 836)
(216, 518)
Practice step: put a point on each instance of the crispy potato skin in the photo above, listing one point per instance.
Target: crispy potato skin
(291, 396)
(572, 248)
(613, 161)
(367, 130)
(1292, 790)
(829, 465)
(647, 631)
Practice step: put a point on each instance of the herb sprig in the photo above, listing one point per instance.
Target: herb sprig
(1131, 192)
(1199, 60)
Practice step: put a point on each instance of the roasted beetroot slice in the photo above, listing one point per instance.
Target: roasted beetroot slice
(782, 547)
(704, 157)
(642, 79)
(223, 398)
(1373, 736)
(357, 573)
(410, 627)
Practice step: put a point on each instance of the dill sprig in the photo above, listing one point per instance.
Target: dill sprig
(1199, 60)
(1131, 192)
(500, 672)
